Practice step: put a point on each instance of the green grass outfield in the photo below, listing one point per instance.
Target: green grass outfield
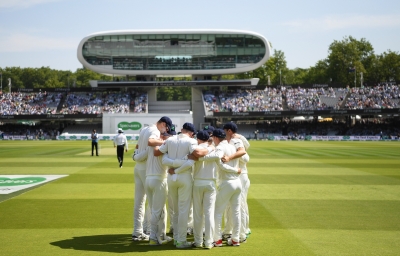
(306, 198)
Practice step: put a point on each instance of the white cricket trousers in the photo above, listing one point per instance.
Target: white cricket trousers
(180, 191)
(244, 210)
(156, 190)
(204, 195)
(141, 218)
(171, 213)
(228, 192)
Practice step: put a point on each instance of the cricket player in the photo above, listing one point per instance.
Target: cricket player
(140, 156)
(229, 188)
(142, 217)
(156, 184)
(180, 181)
(241, 144)
(204, 195)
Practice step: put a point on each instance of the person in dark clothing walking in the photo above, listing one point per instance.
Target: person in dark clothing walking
(95, 138)
(120, 142)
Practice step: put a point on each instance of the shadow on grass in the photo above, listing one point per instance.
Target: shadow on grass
(117, 243)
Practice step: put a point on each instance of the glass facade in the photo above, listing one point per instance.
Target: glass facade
(152, 52)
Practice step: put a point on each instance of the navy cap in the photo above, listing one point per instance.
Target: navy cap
(230, 126)
(189, 127)
(219, 133)
(167, 121)
(172, 130)
(209, 129)
(202, 135)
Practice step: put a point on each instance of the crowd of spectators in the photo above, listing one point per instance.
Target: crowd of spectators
(35, 103)
(308, 98)
(379, 96)
(269, 99)
(139, 102)
(294, 99)
(103, 102)
(42, 103)
(210, 102)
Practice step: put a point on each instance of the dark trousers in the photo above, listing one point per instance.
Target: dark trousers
(120, 154)
(94, 145)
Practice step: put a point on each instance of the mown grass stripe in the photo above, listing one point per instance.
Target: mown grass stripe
(374, 215)
(323, 164)
(325, 192)
(325, 179)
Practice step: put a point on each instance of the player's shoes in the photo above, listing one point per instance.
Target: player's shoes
(232, 242)
(243, 240)
(141, 237)
(218, 243)
(248, 233)
(225, 237)
(196, 245)
(155, 242)
(182, 245)
(208, 246)
(167, 238)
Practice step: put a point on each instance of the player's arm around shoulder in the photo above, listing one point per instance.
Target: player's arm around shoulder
(161, 149)
(245, 142)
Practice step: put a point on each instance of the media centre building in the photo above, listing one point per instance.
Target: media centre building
(150, 53)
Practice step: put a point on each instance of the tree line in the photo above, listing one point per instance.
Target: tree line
(346, 60)
(349, 61)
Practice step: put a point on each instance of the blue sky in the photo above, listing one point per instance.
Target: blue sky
(36, 33)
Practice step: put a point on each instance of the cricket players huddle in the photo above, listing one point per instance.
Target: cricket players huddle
(202, 175)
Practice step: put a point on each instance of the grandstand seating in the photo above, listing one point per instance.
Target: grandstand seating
(380, 96)
(42, 103)
(286, 98)
(271, 99)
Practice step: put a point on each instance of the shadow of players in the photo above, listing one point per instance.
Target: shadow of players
(118, 243)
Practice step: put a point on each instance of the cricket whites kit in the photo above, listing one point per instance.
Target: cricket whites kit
(180, 184)
(156, 191)
(204, 195)
(140, 156)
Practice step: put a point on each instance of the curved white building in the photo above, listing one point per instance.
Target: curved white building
(173, 52)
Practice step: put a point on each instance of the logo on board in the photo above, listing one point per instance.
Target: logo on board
(14, 183)
(130, 126)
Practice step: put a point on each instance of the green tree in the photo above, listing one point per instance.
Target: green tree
(275, 68)
(83, 76)
(298, 76)
(14, 73)
(390, 66)
(174, 93)
(318, 74)
(346, 54)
